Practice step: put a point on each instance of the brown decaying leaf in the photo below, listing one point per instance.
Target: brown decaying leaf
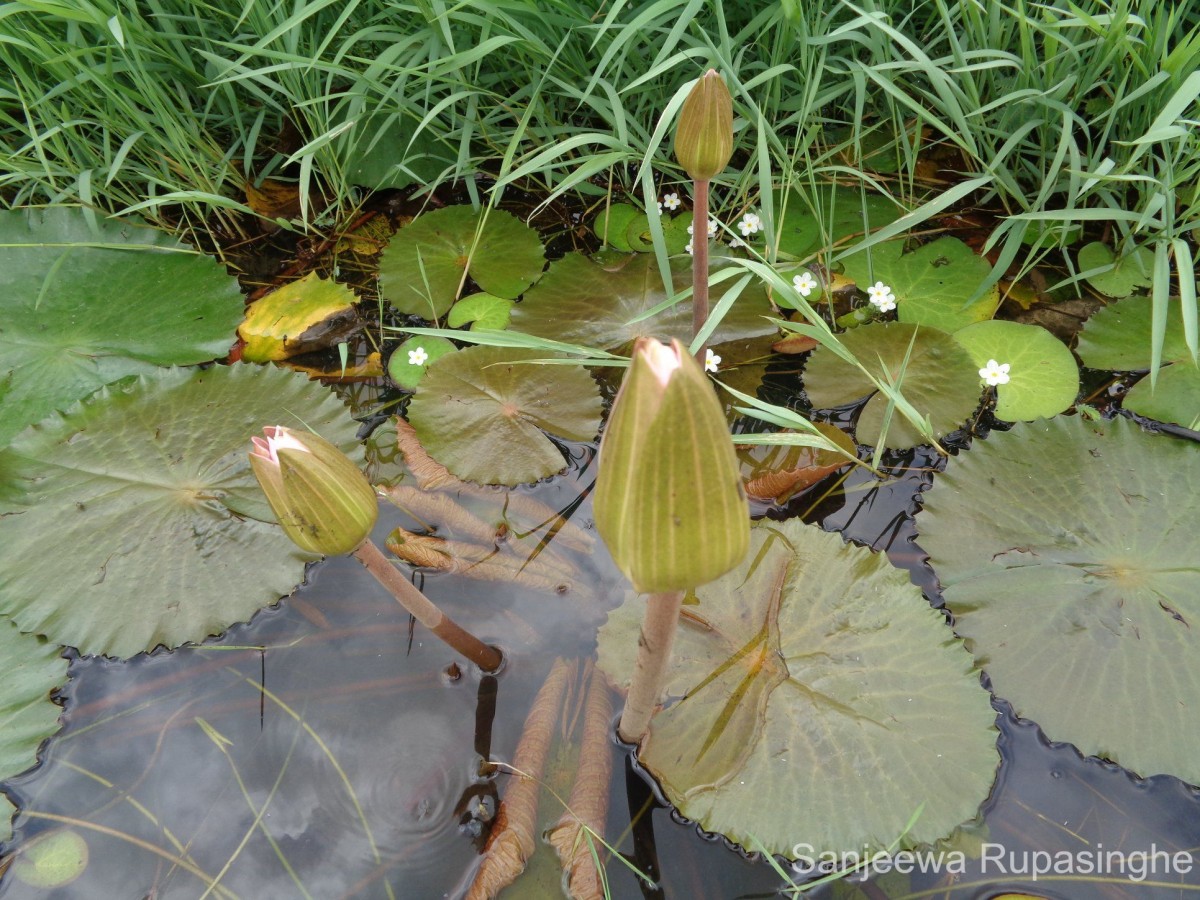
(780, 471)
(514, 832)
(274, 199)
(588, 806)
(794, 343)
(432, 475)
(441, 510)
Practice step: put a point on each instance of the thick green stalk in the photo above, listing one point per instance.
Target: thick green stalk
(486, 657)
(653, 657)
(699, 258)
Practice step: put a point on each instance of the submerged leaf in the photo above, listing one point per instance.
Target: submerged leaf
(65, 298)
(482, 413)
(143, 497)
(814, 669)
(779, 471)
(1068, 558)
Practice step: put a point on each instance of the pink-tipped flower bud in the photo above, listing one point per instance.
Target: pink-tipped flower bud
(322, 500)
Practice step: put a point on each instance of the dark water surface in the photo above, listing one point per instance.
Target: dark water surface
(343, 761)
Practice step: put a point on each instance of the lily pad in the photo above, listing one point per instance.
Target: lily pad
(51, 860)
(843, 214)
(33, 668)
(813, 691)
(422, 269)
(940, 380)
(143, 499)
(408, 363)
(482, 311)
(582, 302)
(1068, 558)
(1132, 271)
(1118, 337)
(611, 224)
(311, 313)
(481, 412)
(1043, 378)
(65, 298)
(933, 284)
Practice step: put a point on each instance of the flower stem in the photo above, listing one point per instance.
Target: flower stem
(422, 608)
(653, 656)
(699, 257)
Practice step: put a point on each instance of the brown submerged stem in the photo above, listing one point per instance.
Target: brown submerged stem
(653, 657)
(422, 608)
(699, 257)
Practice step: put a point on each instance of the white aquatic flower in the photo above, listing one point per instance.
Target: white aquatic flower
(882, 297)
(691, 251)
(418, 357)
(804, 283)
(994, 373)
(751, 224)
(671, 202)
(712, 228)
(711, 360)
(736, 242)
(660, 209)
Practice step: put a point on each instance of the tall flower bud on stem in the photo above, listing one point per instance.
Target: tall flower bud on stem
(327, 506)
(703, 146)
(668, 502)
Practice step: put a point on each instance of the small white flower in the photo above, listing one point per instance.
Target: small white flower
(691, 250)
(750, 224)
(418, 357)
(734, 243)
(711, 360)
(804, 283)
(712, 228)
(994, 373)
(671, 202)
(660, 210)
(882, 297)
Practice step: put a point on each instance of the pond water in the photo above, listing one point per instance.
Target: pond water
(324, 750)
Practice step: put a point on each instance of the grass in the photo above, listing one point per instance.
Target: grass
(1059, 117)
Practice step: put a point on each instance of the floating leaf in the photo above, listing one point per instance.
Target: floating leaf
(51, 860)
(1068, 558)
(65, 298)
(482, 311)
(273, 199)
(934, 284)
(33, 668)
(1118, 337)
(840, 214)
(940, 380)
(779, 471)
(143, 497)
(813, 668)
(582, 302)
(481, 412)
(611, 224)
(409, 361)
(1133, 270)
(311, 313)
(1043, 378)
(391, 155)
(422, 269)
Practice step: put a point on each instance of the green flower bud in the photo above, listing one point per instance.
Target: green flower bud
(669, 501)
(322, 500)
(704, 137)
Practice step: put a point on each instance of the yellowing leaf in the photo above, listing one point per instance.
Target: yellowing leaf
(309, 314)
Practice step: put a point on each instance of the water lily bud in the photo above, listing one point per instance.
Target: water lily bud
(322, 500)
(704, 137)
(669, 501)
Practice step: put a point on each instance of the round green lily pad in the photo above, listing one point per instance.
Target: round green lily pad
(940, 380)
(482, 413)
(422, 269)
(482, 311)
(1132, 271)
(143, 499)
(33, 668)
(934, 284)
(1068, 556)
(1118, 336)
(51, 860)
(1174, 398)
(610, 225)
(1043, 377)
(814, 692)
(840, 214)
(409, 361)
(65, 298)
(601, 305)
